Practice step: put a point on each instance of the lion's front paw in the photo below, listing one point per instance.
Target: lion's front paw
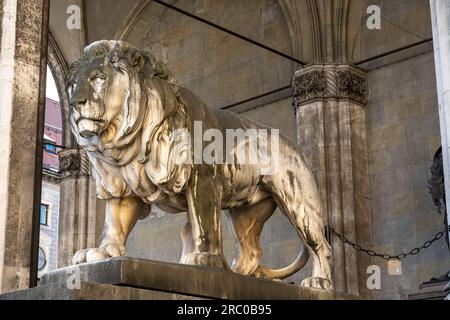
(317, 283)
(205, 259)
(97, 254)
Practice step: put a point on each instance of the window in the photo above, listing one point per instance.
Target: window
(43, 214)
(50, 148)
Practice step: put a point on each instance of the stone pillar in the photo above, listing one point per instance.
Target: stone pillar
(330, 104)
(81, 214)
(440, 13)
(23, 32)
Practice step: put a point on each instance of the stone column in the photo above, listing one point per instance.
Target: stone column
(81, 214)
(440, 13)
(23, 32)
(330, 104)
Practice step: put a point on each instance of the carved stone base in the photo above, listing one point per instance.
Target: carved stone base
(431, 291)
(129, 278)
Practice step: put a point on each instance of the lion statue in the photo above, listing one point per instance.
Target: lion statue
(135, 122)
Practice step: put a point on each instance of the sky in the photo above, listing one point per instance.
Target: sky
(51, 91)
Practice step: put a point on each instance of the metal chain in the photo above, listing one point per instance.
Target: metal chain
(388, 257)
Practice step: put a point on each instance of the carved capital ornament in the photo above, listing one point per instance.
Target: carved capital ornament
(330, 81)
(73, 163)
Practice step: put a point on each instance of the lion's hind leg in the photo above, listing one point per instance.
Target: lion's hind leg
(311, 229)
(295, 192)
(247, 224)
(304, 214)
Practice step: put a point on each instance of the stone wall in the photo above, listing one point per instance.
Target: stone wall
(403, 22)
(218, 67)
(403, 136)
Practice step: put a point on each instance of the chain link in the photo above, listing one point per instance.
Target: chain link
(388, 257)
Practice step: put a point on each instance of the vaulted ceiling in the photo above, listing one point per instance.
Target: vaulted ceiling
(320, 30)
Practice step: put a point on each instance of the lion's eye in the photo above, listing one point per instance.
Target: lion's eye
(99, 81)
(72, 88)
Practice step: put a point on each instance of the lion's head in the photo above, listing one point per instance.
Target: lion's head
(124, 106)
(108, 93)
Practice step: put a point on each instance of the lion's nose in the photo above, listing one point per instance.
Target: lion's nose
(80, 104)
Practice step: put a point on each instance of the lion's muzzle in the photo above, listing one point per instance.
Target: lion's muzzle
(87, 116)
(88, 127)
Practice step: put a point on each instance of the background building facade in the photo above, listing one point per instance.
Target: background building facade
(49, 214)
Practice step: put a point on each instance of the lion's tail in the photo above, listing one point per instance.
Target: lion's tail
(283, 273)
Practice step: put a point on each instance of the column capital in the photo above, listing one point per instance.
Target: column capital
(330, 81)
(73, 163)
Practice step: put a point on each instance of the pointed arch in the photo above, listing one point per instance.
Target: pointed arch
(323, 31)
(60, 72)
(306, 34)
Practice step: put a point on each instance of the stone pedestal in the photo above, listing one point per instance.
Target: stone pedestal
(128, 278)
(430, 291)
(330, 104)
